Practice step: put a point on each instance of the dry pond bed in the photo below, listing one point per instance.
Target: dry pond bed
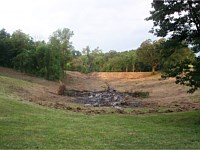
(108, 98)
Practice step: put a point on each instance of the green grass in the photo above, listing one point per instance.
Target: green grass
(26, 125)
(7, 85)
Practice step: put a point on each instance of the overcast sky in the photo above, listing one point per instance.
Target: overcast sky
(110, 24)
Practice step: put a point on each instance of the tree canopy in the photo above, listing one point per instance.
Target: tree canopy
(149, 53)
(39, 58)
(50, 59)
(180, 20)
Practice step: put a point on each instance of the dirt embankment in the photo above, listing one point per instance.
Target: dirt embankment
(165, 95)
(97, 81)
(120, 75)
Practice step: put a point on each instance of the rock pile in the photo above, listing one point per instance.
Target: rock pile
(109, 98)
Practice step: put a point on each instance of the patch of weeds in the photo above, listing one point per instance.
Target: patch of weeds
(141, 94)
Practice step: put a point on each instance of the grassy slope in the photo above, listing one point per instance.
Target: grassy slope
(27, 125)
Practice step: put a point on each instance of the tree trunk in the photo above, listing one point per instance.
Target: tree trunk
(153, 69)
(133, 68)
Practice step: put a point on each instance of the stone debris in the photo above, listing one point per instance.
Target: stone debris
(107, 98)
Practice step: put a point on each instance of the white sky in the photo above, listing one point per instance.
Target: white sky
(110, 24)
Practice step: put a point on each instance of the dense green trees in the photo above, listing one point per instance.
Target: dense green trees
(163, 54)
(5, 48)
(150, 53)
(50, 59)
(95, 61)
(59, 53)
(181, 21)
(47, 60)
(174, 53)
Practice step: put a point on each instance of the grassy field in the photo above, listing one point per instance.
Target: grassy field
(25, 125)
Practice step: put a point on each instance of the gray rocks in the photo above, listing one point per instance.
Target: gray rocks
(109, 98)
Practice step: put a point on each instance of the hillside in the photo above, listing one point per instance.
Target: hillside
(165, 95)
(26, 125)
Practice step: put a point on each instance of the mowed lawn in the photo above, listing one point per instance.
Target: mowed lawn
(29, 126)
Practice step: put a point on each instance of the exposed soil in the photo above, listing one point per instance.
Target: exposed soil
(164, 95)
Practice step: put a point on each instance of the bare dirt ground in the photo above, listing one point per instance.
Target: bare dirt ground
(165, 95)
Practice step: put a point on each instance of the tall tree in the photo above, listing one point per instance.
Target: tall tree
(97, 59)
(42, 60)
(62, 36)
(149, 53)
(181, 21)
(22, 51)
(60, 50)
(21, 42)
(133, 60)
(87, 59)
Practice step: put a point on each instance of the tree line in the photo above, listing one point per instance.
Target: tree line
(150, 56)
(50, 59)
(45, 59)
(177, 21)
